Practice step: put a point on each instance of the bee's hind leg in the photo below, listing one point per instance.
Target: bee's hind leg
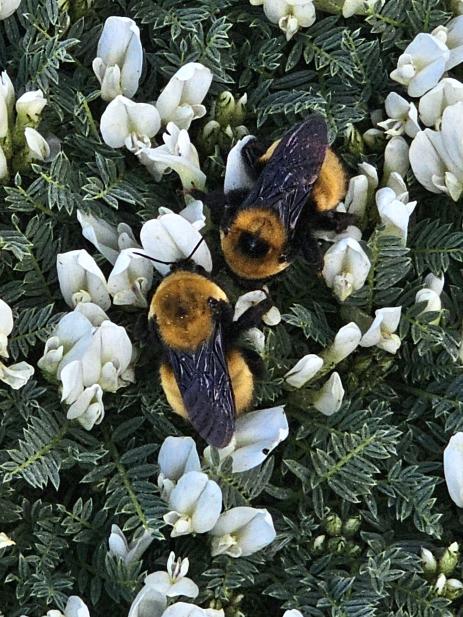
(332, 221)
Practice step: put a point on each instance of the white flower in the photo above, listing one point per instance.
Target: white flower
(38, 145)
(5, 541)
(381, 332)
(193, 212)
(180, 101)
(87, 408)
(171, 238)
(16, 375)
(436, 283)
(329, 399)
(124, 122)
(119, 546)
(237, 173)
(356, 199)
(119, 58)
(403, 116)
(182, 609)
(8, 7)
(422, 64)
(346, 267)
(174, 582)
(396, 157)
(306, 368)
(433, 104)
(452, 36)
(7, 94)
(453, 468)
(75, 607)
(436, 157)
(29, 107)
(252, 298)
(293, 613)
(345, 342)
(130, 279)
(257, 434)
(81, 280)
(195, 504)
(433, 302)
(6, 326)
(241, 532)
(148, 603)
(177, 154)
(394, 214)
(176, 457)
(290, 15)
(107, 239)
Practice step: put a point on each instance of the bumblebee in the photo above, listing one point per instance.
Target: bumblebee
(207, 377)
(299, 183)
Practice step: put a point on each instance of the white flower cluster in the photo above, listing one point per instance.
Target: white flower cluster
(15, 375)
(118, 67)
(434, 154)
(89, 355)
(195, 501)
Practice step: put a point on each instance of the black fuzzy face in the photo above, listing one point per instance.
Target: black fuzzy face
(252, 245)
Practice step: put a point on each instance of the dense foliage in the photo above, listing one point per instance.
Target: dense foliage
(376, 463)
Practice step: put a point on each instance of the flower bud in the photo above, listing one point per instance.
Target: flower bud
(449, 559)
(336, 545)
(333, 524)
(225, 108)
(439, 586)
(318, 544)
(351, 526)
(354, 141)
(29, 108)
(210, 135)
(374, 139)
(453, 589)
(428, 562)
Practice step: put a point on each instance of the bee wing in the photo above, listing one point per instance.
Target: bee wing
(205, 385)
(287, 179)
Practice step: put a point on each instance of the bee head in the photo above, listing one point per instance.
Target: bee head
(252, 245)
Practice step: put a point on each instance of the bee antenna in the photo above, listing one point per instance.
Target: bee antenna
(170, 263)
(158, 261)
(195, 248)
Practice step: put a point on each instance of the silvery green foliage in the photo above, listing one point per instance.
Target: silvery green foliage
(354, 496)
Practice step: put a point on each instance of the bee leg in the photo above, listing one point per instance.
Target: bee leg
(252, 317)
(253, 154)
(254, 361)
(310, 250)
(332, 221)
(221, 205)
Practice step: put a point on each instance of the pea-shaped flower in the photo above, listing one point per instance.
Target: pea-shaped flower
(382, 330)
(125, 123)
(180, 101)
(119, 58)
(130, 280)
(433, 104)
(242, 531)
(132, 551)
(303, 371)
(422, 64)
(174, 582)
(257, 434)
(81, 280)
(177, 456)
(195, 504)
(290, 15)
(328, 399)
(346, 267)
